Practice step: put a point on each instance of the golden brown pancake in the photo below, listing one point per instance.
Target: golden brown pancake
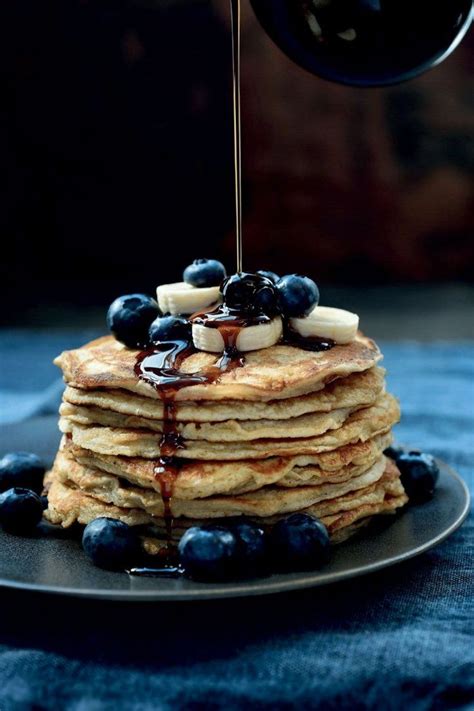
(360, 426)
(68, 505)
(356, 389)
(290, 430)
(267, 501)
(310, 425)
(269, 374)
(198, 479)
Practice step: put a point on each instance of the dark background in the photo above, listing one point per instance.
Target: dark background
(116, 143)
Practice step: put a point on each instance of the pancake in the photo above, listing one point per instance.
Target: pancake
(360, 426)
(68, 505)
(273, 373)
(267, 501)
(289, 431)
(198, 479)
(310, 425)
(356, 389)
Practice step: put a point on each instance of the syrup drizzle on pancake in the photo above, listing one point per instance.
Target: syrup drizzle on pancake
(160, 367)
(306, 343)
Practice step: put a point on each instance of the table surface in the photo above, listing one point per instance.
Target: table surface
(402, 636)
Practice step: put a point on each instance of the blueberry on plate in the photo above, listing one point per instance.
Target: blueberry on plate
(208, 552)
(394, 452)
(169, 328)
(204, 272)
(298, 295)
(250, 294)
(269, 275)
(129, 318)
(251, 545)
(22, 469)
(419, 474)
(111, 544)
(299, 542)
(21, 510)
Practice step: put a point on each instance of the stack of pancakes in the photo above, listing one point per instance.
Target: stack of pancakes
(291, 430)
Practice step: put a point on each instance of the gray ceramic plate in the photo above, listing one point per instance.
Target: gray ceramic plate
(55, 564)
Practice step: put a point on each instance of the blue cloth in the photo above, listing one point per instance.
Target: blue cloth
(400, 638)
(30, 384)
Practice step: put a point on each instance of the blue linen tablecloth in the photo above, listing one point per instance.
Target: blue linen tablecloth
(400, 638)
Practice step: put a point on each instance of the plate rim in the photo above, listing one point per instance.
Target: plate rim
(250, 589)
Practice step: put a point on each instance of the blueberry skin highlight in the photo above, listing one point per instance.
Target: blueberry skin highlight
(269, 275)
(21, 469)
(129, 318)
(419, 475)
(299, 542)
(252, 547)
(208, 553)
(111, 544)
(21, 510)
(298, 295)
(204, 273)
(169, 328)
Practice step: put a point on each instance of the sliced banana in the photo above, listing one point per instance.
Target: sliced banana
(327, 322)
(182, 298)
(250, 338)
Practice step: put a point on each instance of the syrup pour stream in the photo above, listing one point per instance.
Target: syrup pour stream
(235, 21)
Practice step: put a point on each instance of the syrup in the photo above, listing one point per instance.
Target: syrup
(305, 343)
(159, 366)
(166, 571)
(229, 323)
(235, 22)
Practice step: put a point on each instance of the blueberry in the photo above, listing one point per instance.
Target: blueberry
(208, 552)
(169, 328)
(299, 542)
(22, 469)
(250, 294)
(204, 272)
(394, 452)
(298, 295)
(269, 275)
(129, 318)
(111, 544)
(266, 300)
(20, 510)
(419, 474)
(251, 544)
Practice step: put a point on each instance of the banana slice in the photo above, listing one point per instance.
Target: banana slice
(250, 338)
(326, 322)
(182, 298)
